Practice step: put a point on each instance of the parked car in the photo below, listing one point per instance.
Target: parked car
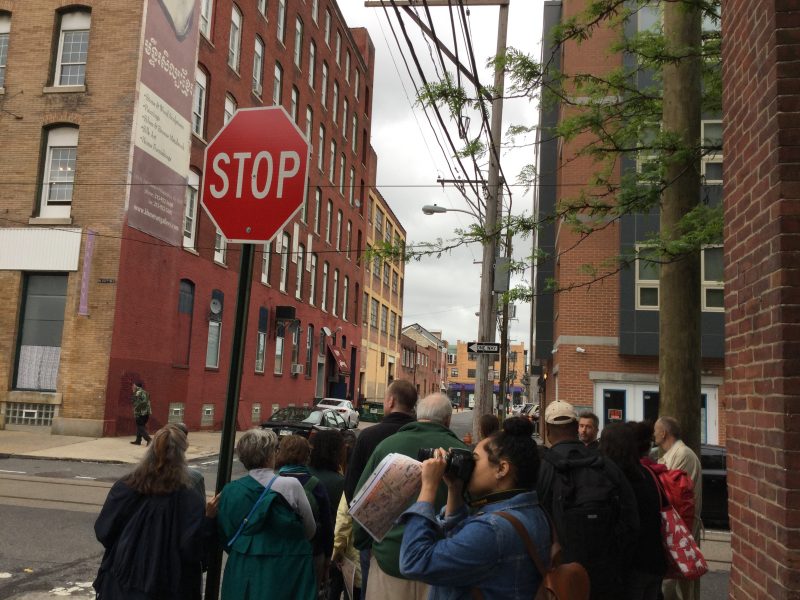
(304, 421)
(715, 487)
(529, 411)
(343, 407)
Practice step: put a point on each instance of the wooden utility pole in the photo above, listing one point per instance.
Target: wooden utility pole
(679, 361)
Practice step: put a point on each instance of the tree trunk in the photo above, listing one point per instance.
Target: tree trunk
(679, 297)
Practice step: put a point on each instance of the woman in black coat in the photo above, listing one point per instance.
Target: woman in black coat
(154, 526)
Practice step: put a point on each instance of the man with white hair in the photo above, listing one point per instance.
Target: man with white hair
(429, 431)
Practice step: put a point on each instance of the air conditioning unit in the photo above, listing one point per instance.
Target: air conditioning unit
(297, 369)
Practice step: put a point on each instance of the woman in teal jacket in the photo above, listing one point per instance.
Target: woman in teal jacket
(265, 523)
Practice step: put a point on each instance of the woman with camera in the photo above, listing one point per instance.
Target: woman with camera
(473, 551)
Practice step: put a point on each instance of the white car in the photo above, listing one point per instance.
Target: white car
(344, 408)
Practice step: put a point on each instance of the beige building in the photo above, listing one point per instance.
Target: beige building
(382, 303)
(461, 365)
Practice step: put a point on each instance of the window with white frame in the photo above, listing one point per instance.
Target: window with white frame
(335, 294)
(321, 149)
(312, 64)
(357, 83)
(230, 108)
(309, 349)
(347, 66)
(261, 340)
(262, 7)
(312, 288)
(281, 29)
(301, 260)
(304, 207)
(335, 101)
(258, 68)
(712, 158)
(349, 238)
(328, 28)
(315, 11)
(332, 162)
(220, 247)
(338, 48)
(648, 167)
(345, 111)
(235, 39)
(266, 259)
(345, 297)
(324, 301)
(277, 85)
(5, 31)
(73, 48)
(212, 345)
(317, 210)
(341, 174)
(206, 10)
(351, 193)
(329, 222)
(190, 210)
(298, 43)
(309, 123)
(280, 336)
(354, 133)
(59, 172)
(339, 219)
(648, 270)
(295, 329)
(293, 104)
(712, 279)
(324, 84)
(199, 103)
(285, 248)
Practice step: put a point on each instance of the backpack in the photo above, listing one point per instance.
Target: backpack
(586, 515)
(679, 488)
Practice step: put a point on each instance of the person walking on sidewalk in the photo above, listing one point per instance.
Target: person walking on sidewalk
(141, 412)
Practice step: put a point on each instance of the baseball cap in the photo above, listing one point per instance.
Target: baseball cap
(560, 413)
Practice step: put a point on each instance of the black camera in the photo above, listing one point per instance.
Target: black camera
(460, 462)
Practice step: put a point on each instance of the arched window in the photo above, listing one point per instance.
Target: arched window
(73, 48)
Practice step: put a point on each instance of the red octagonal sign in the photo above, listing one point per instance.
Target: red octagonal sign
(254, 174)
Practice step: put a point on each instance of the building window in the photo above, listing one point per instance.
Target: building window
(206, 10)
(285, 245)
(351, 191)
(295, 328)
(301, 257)
(309, 124)
(235, 39)
(471, 373)
(341, 174)
(712, 158)
(647, 275)
(212, 347)
(338, 48)
(312, 292)
(261, 339)
(324, 303)
(378, 225)
(281, 29)
(376, 267)
(73, 48)
(183, 339)
(315, 11)
(349, 238)
(266, 258)
(339, 218)
(262, 7)
(384, 319)
(230, 108)
(298, 43)
(190, 211)
(357, 83)
(309, 348)
(712, 279)
(5, 30)
(199, 104)
(220, 247)
(328, 220)
(328, 27)
(258, 68)
(332, 162)
(353, 134)
(293, 106)
(335, 294)
(321, 148)
(386, 271)
(30, 413)
(394, 282)
(393, 324)
(373, 312)
(453, 372)
(324, 84)
(347, 66)
(317, 210)
(345, 296)
(59, 172)
(277, 85)
(335, 101)
(280, 335)
(42, 324)
(312, 64)
(364, 309)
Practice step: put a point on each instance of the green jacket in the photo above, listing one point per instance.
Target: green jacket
(141, 403)
(408, 440)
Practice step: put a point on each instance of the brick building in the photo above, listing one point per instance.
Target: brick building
(102, 295)
(461, 365)
(382, 303)
(598, 344)
(423, 357)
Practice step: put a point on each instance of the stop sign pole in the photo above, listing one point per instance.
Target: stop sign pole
(254, 181)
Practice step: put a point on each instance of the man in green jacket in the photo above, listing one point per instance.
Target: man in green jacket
(429, 431)
(141, 412)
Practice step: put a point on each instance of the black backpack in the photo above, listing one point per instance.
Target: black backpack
(586, 514)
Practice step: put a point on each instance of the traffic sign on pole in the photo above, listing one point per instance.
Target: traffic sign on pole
(254, 174)
(484, 347)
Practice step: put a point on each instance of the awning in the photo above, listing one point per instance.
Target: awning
(338, 356)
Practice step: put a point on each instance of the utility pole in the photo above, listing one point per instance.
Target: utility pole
(501, 404)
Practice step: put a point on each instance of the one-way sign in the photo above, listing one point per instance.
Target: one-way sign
(484, 347)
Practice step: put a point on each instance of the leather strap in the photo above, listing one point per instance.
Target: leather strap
(526, 539)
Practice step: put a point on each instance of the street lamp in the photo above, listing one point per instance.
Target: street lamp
(435, 209)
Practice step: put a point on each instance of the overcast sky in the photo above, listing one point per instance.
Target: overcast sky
(441, 294)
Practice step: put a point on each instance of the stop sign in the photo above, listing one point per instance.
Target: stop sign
(254, 174)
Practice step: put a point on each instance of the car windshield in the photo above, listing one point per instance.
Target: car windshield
(291, 413)
(336, 403)
(314, 417)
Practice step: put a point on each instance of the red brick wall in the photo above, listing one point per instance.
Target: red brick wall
(762, 222)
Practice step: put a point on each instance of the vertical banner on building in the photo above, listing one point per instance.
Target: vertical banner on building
(163, 129)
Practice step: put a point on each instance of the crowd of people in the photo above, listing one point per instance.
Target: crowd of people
(480, 516)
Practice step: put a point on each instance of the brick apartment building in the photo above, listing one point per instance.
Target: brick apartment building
(382, 303)
(113, 271)
(461, 365)
(597, 346)
(423, 357)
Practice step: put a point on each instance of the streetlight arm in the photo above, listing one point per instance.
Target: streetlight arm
(434, 209)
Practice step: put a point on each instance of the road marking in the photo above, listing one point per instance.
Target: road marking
(18, 472)
(85, 477)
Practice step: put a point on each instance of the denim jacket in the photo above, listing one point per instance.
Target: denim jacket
(462, 551)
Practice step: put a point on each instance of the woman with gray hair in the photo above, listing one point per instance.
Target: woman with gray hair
(265, 524)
